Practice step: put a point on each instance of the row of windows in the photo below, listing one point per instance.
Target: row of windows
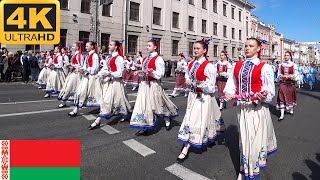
(85, 7)
(135, 11)
(224, 8)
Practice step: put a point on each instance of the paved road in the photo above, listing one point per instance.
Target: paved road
(114, 152)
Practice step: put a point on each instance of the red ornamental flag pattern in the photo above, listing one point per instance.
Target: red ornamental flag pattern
(40, 159)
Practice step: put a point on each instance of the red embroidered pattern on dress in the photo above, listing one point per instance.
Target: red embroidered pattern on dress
(4, 159)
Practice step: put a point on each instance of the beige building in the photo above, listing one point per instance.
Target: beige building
(176, 23)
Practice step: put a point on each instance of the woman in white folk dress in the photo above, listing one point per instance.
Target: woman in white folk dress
(202, 122)
(114, 97)
(44, 74)
(66, 62)
(251, 84)
(89, 89)
(136, 79)
(223, 72)
(152, 102)
(73, 79)
(180, 78)
(56, 77)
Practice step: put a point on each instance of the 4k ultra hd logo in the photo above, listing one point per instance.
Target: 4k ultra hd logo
(30, 22)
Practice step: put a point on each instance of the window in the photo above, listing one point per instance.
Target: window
(232, 12)
(224, 9)
(215, 50)
(156, 16)
(63, 37)
(224, 31)
(134, 11)
(63, 4)
(191, 23)
(84, 37)
(215, 28)
(233, 52)
(215, 6)
(204, 26)
(132, 44)
(232, 35)
(175, 20)
(85, 6)
(105, 38)
(204, 4)
(240, 16)
(225, 48)
(240, 35)
(175, 47)
(247, 28)
(33, 47)
(190, 48)
(191, 2)
(106, 10)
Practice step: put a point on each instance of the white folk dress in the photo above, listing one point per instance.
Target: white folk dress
(56, 77)
(114, 97)
(73, 79)
(257, 136)
(89, 89)
(152, 101)
(44, 73)
(202, 122)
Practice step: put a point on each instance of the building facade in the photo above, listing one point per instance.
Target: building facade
(177, 24)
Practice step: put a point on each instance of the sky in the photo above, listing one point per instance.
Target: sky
(297, 20)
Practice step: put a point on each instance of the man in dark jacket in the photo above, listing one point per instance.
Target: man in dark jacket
(25, 68)
(34, 66)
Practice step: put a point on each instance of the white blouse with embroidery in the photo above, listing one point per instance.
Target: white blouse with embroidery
(267, 78)
(210, 72)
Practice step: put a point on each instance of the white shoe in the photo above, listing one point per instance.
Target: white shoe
(46, 96)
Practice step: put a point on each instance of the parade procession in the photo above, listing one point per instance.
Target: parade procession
(209, 93)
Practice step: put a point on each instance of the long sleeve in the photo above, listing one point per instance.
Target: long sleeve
(95, 65)
(231, 85)
(120, 68)
(160, 68)
(229, 69)
(209, 85)
(296, 72)
(66, 60)
(21, 61)
(186, 75)
(267, 78)
(279, 71)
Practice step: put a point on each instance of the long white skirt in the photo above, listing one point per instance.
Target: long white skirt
(202, 122)
(89, 92)
(151, 102)
(257, 138)
(43, 76)
(114, 100)
(55, 81)
(70, 86)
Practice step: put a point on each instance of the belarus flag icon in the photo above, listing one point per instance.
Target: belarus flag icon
(40, 159)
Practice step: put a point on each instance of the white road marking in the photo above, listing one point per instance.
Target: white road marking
(185, 173)
(89, 117)
(138, 147)
(26, 102)
(109, 129)
(34, 112)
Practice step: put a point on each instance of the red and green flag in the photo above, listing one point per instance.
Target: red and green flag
(40, 159)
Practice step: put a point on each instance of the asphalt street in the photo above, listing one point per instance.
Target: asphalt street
(114, 152)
